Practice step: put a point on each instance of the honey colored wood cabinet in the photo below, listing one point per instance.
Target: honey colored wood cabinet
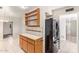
(30, 48)
(38, 46)
(32, 18)
(20, 41)
(24, 45)
(30, 45)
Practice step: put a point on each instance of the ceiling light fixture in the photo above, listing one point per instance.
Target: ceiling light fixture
(23, 7)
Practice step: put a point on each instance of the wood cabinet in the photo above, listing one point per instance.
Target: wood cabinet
(32, 19)
(30, 45)
(24, 45)
(21, 41)
(38, 45)
(30, 48)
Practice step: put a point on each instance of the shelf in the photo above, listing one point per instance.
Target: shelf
(33, 30)
(37, 10)
(32, 19)
(33, 25)
(31, 15)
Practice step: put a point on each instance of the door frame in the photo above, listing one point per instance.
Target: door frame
(77, 40)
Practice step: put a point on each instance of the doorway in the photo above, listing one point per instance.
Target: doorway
(7, 29)
(71, 30)
(68, 33)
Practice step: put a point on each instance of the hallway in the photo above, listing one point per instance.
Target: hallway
(10, 45)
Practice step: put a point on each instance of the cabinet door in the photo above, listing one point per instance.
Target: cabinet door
(30, 48)
(38, 46)
(24, 45)
(20, 42)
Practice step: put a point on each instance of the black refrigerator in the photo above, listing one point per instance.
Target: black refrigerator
(49, 35)
(52, 41)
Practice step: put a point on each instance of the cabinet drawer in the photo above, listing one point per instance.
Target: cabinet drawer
(24, 38)
(30, 41)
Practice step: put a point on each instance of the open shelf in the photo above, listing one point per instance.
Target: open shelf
(31, 15)
(32, 19)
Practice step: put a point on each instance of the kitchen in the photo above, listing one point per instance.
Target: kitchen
(16, 35)
(38, 29)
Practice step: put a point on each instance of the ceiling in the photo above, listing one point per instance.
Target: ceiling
(53, 7)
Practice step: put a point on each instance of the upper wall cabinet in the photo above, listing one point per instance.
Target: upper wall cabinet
(32, 19)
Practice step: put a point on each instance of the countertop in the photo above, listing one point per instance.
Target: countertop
(31, 36)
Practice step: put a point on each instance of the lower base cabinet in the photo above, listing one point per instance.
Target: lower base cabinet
(21, 41)
(24, 45)
(30, 45)
(30, 48)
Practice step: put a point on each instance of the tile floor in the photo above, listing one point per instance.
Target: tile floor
(67, 46)
(10, 45)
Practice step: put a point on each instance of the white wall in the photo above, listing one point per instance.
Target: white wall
(62, 25)
(61, 11)
(17, 20)
(12, 13)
